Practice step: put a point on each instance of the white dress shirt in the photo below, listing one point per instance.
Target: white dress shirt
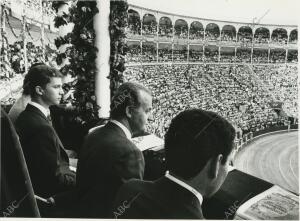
(124, 129)
(186, 186)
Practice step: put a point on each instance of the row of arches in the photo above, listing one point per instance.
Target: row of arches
(164, 52)
(165, 27)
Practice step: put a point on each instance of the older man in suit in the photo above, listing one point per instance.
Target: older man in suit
(46, 158)
(198, 149)
(108, 157)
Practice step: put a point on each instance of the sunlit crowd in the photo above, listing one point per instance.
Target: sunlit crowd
(237, 92)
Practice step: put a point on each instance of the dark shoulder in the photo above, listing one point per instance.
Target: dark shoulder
(28, 114)
(110, 135)
(131, 189)
(135, 186)
(30, 122)
(136, 183)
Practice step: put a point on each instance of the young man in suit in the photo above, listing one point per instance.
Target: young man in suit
(198, 147)
(46, 158)
(108, 157)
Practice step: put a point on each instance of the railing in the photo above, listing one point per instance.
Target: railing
(233, 43)
(251, 136)
(160, 62)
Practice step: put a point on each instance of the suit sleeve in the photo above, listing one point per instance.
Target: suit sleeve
(130, 164)
(47, 148)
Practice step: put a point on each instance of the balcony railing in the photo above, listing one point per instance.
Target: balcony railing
(234, 43)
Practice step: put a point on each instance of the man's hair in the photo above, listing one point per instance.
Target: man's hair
(193, 138)
(126, 95)
(26, 90)
(39, 74)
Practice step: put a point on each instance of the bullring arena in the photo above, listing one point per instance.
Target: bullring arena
(272, 157)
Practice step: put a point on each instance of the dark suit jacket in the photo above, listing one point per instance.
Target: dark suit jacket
(161, 199)
(47, 161)
(15, 183)
(106, 161)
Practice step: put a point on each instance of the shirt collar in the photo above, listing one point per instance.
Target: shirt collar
(186, 186)
(45, 111)
(125, 129)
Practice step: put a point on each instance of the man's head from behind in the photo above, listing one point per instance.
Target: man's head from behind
(132, 103)
(198, 148)
(44, 84)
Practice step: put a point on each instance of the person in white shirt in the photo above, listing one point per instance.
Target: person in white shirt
(198, 147)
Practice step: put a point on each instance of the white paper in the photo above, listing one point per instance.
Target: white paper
(273, 204)
(148, 142)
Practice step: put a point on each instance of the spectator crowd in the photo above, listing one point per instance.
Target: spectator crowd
(237, 92)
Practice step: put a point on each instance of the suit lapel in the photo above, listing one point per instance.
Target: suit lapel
(32, 108)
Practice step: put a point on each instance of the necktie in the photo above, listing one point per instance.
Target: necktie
(49, 119)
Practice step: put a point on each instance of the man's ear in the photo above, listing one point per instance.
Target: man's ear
(39, 90)
(128, 111)
(214, 166)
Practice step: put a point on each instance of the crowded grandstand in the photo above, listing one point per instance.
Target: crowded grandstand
(238, 70)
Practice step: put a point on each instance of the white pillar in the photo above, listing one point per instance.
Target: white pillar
(102, 42)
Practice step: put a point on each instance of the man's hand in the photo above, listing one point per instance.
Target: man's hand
(51, 201)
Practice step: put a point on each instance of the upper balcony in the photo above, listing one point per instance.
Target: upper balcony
(189, 30)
